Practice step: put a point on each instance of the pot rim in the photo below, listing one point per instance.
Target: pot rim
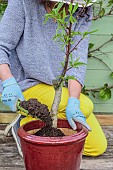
(77, 137)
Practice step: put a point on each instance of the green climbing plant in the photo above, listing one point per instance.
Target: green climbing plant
(100, 10)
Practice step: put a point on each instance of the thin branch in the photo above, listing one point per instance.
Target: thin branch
(101, 61)
(69, 68)
(104, 53)
(75, 46)
(67, 52)
(97, 17)
(107, 14)
(98, 49)
(111, 10)
(97, 89)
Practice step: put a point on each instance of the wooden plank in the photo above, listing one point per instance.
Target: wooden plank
(97, 164)
(103, 119)
(106, 120)
(7, 117)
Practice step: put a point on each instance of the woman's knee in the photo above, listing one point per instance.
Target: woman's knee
(96, 142)
(101, 147)
(86, 105)
(96, 149)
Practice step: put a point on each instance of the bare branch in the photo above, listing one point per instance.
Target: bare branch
(98, 49)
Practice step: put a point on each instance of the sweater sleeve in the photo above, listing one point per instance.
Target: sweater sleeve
(81, 51)
(11, 29)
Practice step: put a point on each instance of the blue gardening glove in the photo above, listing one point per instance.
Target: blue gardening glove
(11, 93)
(74, 114)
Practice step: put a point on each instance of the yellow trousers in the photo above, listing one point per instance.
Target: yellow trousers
(95, 143)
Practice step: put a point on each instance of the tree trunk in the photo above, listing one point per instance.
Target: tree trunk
(55, 105)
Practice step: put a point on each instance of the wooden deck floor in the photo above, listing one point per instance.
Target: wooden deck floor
(11, 160)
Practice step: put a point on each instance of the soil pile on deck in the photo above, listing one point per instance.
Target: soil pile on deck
(41, 111)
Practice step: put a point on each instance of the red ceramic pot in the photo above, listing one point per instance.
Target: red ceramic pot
(52, 153)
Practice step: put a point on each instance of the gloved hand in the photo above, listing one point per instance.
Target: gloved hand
(74, 114)
(11, 93)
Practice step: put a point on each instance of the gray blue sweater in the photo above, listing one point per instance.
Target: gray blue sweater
(26, 44)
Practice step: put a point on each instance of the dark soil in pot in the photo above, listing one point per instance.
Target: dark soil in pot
(41, 111)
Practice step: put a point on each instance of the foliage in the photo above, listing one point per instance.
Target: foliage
(3, 5)
(65, 36)
(105, 93)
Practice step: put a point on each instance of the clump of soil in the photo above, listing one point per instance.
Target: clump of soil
(41, 111)
(37, 110)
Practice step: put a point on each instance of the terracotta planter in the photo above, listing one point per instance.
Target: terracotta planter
(55, 153)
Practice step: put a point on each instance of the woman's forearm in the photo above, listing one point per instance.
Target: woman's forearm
(5, 72)
(74, 88)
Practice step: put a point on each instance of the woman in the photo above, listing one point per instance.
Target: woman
(30, 61)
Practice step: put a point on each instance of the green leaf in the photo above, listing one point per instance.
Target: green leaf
(69, 78)
(3, 6)
(106, 85)
(61, 77)
(110, 2)
(105, 94)
(91, 45)
(75, 8)
(72, 42)
(71, 63)
(47, 17)
(63, 64)
(54, 11)
(111, 75)
(70, 8)
(71, 56)
(90, 32)
(60, 5)
(57, 36)
(102, 12)
(78, 64)
(84, 91)
(64, 13)
(73, 33)
(89, 55)
(72, 19)
(59, 28)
